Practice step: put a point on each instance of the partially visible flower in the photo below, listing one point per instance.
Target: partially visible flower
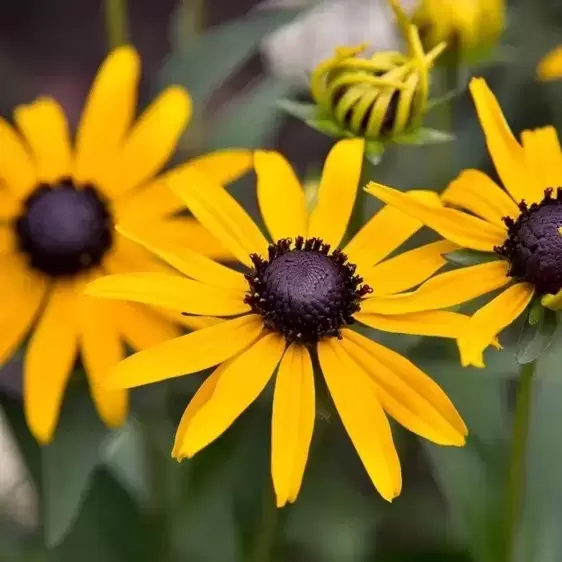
(58, 206)
(518, 231)
(297, 301)
(470, 27)
(550, 66)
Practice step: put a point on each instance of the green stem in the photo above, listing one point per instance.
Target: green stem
(265, 535)
(116, 28)
(191, 20)
(518, 459)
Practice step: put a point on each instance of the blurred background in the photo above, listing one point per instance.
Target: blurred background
(99, 496)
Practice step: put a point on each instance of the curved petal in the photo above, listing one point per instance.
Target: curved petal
(435, 323)
(407, 394)
(386, 231)
(9, 204)
(107, 116)
(17, 170)
(292, 422)
(444, 290)
(543, 156)
(408, 269)
(507, 154)
(170, 291)
(188, 354)
(49, 360)
(101, 350)
(550, 66)
(45, 129)
(150, 143)
(240, 383)
(225, 166)
(456, 226)
(362, 416)
(337, 191)
(219, 212)
(490, 320)
(280, 196)
(476, 192)
(8, 240)
(190, 263)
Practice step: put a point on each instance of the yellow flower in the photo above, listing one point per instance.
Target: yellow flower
(297, 301)
(519, 227)
(468, 26)
(58, 207)
(550, 66)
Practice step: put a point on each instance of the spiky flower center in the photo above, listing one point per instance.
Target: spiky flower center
(534, 243)
(303, 290)
(64, 229)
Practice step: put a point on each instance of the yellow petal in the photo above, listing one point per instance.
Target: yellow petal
(102, 349)
(505, 151)
(436, 323)
(406, 392)
(49, 360)
(490, 320)
(550, 66)
(337, 191)
(9, 204)
(408, 269)
(45, 129)
(456, 226)
(362, 417)
(107, 116)
(150, 143)
(218, 211)
(444, 290)
(225, 166)
(188, 354)
(280, 196)
(476, 192)
(170, 291)
(190, 263)
(240, 383)
(292, 422)
(17, 170)
(8, 241)
(388, 229)
(543, 157)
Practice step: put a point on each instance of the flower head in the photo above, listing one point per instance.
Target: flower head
(59, 206)
(550, 66)
(517, 232)
(298, 300)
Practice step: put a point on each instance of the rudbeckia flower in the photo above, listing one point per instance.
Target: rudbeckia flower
(550, 66)
(517, 229)
(59, 204)
(297, 302)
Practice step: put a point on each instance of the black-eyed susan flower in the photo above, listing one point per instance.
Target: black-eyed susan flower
(550, 66)
(518, 229)
(58, 207)
(297, 301)
(470, 27)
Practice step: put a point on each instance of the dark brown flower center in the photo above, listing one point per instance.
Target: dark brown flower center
(304, 291)
(534, 243)
(64, 229)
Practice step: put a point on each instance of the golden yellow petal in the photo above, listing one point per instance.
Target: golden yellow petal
(362, 416)
(240, 383)
(49, 360)
(490, 320)
(8, 241)
(188, 354)
(478, 193)
(406, 392)
(280, 196)
(10, 206)
(225, 166)
(543, 157)
(337, 191)
(292, 422)
(444, 290)
(550, 66)
(456, 226)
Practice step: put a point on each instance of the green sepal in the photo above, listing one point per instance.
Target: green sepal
(374, 151)
(446, 98)
(466, 257)
(328, 127)
(300, 110)
(537, 333)
(423, 136)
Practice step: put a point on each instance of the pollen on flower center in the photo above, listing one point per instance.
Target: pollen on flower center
(64, 229)
(304, 291)
(534, 243)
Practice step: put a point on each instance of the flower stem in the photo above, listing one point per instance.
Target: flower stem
(265, 533)
(518, 458)
(116, 28)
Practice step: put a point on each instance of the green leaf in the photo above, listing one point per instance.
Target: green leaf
(424, 135)
(69, 462)
(536, 338)
(466, 257)
(301, 110)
